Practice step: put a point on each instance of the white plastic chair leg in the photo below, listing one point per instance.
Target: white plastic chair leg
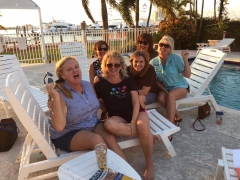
(219, 170)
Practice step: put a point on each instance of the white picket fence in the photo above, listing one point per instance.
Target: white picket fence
(28, 47)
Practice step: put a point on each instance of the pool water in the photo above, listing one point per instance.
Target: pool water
(225, 86)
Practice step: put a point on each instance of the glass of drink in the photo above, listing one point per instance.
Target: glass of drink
(101, 155)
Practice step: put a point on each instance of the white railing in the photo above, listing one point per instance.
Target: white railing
(28, 46)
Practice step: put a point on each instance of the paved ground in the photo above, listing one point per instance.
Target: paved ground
(197, 152)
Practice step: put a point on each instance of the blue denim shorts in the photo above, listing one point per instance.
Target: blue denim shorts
(64, 141)
(151, 98)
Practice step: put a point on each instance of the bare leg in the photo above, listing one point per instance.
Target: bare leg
(172, 96)
(84, 140)
(145, 135)
(169, 103)
(117, 126)
(109, 139)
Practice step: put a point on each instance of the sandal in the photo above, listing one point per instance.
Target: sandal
(103, 116)
(170, 138)
(177, 122)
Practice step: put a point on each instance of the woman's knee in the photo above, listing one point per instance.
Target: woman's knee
(143, 123)
(97, 139)
(110, 126)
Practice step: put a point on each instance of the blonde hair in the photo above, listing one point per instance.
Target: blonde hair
(113, 55)
(59, 84)
(170, 41)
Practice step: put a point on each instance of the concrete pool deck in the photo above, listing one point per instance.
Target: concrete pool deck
(197, 152)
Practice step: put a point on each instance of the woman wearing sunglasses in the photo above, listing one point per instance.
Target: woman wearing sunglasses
(144, 76)
(126, 117)
(145, 43)
(73, 106)
(100, 49)
(171, 70)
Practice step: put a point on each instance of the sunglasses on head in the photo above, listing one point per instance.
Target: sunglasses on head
(100, 49)
(115, 65)
(143, 42)
(165, 45)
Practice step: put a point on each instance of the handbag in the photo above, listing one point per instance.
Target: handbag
(8, 134)
(203, 112)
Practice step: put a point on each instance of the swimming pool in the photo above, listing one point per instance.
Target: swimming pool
(225, 86)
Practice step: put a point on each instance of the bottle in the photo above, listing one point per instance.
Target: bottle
(219, 117)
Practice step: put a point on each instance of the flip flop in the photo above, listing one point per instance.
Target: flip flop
(171, 137)
(177, 122)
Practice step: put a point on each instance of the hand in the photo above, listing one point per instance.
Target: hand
(133, 128)
(95, 80)
(51, 91)
(185, 55)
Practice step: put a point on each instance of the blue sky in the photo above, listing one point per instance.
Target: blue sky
(72, 11)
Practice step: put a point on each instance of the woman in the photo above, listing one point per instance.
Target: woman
(145, 43)
(73, 105)
(126, 118)
(144, 76)
(171, 70)
(100, 49)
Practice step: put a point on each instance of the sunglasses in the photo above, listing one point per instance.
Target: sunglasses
(143, 42)
(100, 49)
(165, 45)
(115, 65)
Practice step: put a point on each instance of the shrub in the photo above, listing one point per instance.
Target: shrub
(181, 29)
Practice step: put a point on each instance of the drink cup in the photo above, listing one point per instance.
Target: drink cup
(101, 155)
(219, 117)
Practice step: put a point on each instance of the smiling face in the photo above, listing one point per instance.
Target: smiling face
(101, 51)
(138, 63)
(113, 66)
(71, 72)
(143, 45)
(163, 48)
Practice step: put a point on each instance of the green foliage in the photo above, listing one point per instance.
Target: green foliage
(181, 29)
(130, 46)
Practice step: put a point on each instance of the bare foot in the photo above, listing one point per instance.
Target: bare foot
(149, 174)
(156, 138)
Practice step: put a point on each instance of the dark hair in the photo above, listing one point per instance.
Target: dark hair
(146, 37)
(98, 44)
(135, 55)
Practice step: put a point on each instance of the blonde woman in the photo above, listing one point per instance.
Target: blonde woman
(126, 117)
(171, 70)
(73, 108)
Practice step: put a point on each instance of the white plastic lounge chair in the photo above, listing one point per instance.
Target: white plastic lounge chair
(35, 122)
(8, 64)
(223, 45)
(78, 50)
(225, 168)
(203, 68)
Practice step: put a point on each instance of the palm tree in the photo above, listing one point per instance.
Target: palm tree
(113, 3)
(2, 27)
(200, 26)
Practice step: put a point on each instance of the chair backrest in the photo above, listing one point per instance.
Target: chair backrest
(224, 42)
(8, 64)
(204, 68)
(29, 113)
(78, 50)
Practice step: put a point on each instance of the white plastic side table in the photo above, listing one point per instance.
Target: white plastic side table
(85, 166)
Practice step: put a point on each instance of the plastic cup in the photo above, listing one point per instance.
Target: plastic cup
(219, 117)
(101, 155)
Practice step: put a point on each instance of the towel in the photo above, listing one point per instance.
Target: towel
(109, 174)
(236, 160)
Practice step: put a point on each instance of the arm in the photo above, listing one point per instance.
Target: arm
(187, 71)
(144, 91)
(91, 74)
(161, 87)
(57, 107)
(136, 107)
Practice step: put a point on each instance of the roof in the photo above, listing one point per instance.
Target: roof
(18, 4)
